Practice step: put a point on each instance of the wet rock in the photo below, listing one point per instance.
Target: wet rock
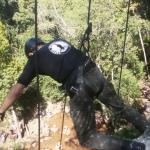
(27, 146)
(67, 110)
(46, 132)
(58, 146)
(66, 130)
(148, 109)
(47, 138)
(30, 140)
(42, 140)
(34, 144)
(144, 101)
(54, 129)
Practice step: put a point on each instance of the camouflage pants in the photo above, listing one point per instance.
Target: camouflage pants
(83, 116)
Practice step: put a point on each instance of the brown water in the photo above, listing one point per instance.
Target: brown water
(69, 142)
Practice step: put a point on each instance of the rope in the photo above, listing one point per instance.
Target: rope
(124, 46)
(37, 75)
(85, 37)
(122, 60)
(87, 32)
(63, 120)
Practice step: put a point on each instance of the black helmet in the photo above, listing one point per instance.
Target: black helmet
(30, 45)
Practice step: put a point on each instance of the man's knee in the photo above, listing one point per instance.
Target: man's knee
(84, 139)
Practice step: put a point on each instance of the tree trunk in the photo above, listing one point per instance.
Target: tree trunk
(145, 59)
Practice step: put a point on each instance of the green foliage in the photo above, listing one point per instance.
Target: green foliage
(147, 41)
(7, 9)
(143, 8)
(16, 146)
(9, 76)
(27, 102)
(129, 87)
(127, 133)
(25, 17)
(49, 89)
(5, 53)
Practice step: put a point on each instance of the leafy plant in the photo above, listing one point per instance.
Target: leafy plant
(16, 146)
(127, 133)
(9, 76)
(129, 87)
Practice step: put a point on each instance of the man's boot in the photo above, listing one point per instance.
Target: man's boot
(144, 138)
(133, 145)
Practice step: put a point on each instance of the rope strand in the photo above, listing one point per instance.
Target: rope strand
(124, 46)
(87, 32)
(122, 60)
(63, 120)
(37, 75)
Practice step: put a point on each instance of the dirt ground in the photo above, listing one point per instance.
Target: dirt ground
(69, 142)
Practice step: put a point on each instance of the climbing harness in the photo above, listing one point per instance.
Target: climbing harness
(86, 50)
(75, 79)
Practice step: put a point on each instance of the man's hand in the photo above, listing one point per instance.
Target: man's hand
(11, 98)
(2, 115)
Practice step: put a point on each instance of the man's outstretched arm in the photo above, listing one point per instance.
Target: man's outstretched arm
(11, 97)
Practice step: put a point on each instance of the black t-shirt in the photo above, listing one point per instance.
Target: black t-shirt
(56, 59)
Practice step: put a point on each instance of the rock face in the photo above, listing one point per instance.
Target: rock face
(30, 137)
(51, 129)
(145, 101)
